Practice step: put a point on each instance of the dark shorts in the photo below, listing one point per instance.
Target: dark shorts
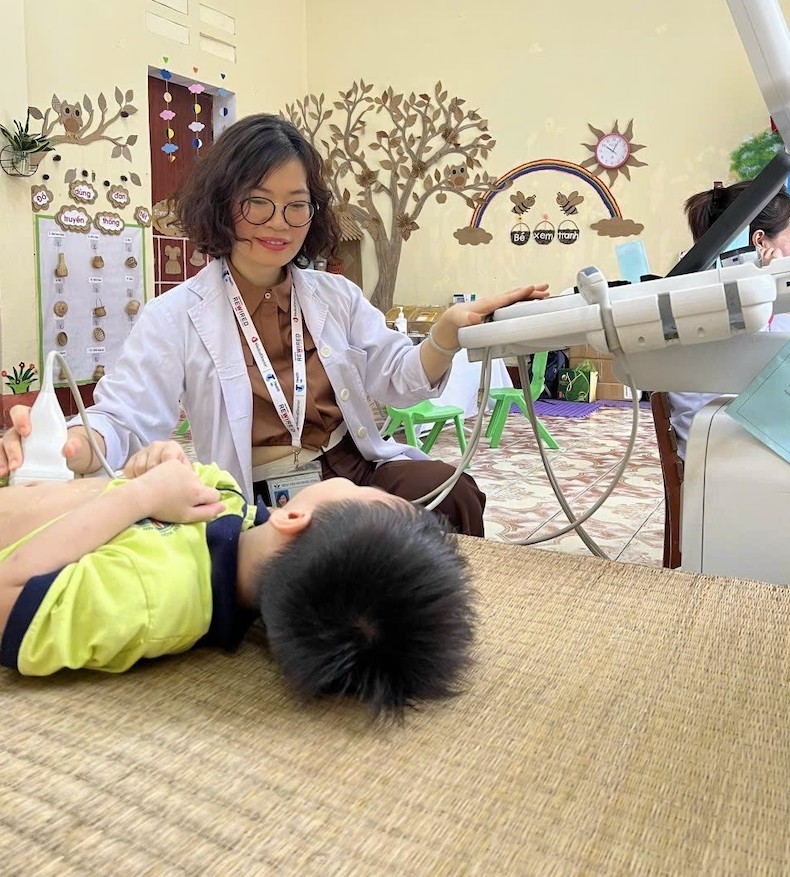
(411, 479)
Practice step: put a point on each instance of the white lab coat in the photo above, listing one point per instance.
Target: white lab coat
(186, 349)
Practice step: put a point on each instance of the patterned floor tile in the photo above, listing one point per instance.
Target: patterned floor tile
(520, 501)
(521, 504)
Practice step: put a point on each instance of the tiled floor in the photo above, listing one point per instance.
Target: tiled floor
(521, 504)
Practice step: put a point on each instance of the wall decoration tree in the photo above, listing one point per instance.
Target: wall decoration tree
(77, 121)
(429, 146)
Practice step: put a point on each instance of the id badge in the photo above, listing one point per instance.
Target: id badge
(281, 488)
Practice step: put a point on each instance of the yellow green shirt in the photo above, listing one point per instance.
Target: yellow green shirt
(155, 589)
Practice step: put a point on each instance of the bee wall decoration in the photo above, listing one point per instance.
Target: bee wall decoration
(567, 203)
(522, 203)
(519, 234)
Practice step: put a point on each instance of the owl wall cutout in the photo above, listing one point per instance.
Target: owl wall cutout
(456, 175)
(69, 115)
(83, 123)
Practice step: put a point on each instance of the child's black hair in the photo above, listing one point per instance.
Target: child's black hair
(372, 601)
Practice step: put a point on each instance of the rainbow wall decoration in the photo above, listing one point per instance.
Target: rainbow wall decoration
(550, 164)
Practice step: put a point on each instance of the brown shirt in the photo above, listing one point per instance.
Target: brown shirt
(270, 310)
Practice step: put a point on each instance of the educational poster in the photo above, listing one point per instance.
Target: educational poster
(91, 288)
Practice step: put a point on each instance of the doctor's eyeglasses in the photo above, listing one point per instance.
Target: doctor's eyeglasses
(259, 211)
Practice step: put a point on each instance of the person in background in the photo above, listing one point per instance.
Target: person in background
(274, 364)
(769, 234)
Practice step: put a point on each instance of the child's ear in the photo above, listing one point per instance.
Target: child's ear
(289, 522)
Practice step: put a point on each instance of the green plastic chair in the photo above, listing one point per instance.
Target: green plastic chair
(506, 396)
(425, 412)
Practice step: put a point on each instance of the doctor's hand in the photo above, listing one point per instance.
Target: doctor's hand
(154, 455)
(471, 313)
(438, 349)
(11, 454)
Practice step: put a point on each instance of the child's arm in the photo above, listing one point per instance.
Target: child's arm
(170, 492)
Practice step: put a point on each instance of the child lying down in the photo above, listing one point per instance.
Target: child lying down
(361, 593)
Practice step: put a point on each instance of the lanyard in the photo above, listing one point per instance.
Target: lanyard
(293, 419)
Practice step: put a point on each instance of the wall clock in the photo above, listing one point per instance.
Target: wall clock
(613, 152)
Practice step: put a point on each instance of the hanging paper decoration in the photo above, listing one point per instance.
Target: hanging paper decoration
(223, 92)
(168, 115)
(196, 127)
(519, 234)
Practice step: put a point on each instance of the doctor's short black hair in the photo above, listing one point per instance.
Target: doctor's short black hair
(207, 202)
(371, 601)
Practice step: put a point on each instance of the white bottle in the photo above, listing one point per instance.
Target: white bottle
(401, 324)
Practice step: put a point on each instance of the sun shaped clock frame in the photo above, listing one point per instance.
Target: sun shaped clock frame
(613, 152)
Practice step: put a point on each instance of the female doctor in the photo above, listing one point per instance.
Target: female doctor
(273, 364)
(769, 235)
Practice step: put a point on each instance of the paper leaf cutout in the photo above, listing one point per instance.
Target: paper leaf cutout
(135, 179)
(87, 103)
(116, 152)
(118, 96)
(102, 102)
(70, 176)
(35, 113)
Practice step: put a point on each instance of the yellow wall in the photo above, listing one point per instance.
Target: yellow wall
(539, 72)
(88, 46)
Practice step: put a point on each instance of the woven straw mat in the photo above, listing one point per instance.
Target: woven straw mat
(620, 719)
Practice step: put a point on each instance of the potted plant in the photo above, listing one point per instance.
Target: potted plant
(27, 149)
(19, 383)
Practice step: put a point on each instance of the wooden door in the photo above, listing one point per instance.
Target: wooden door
(175, 258)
